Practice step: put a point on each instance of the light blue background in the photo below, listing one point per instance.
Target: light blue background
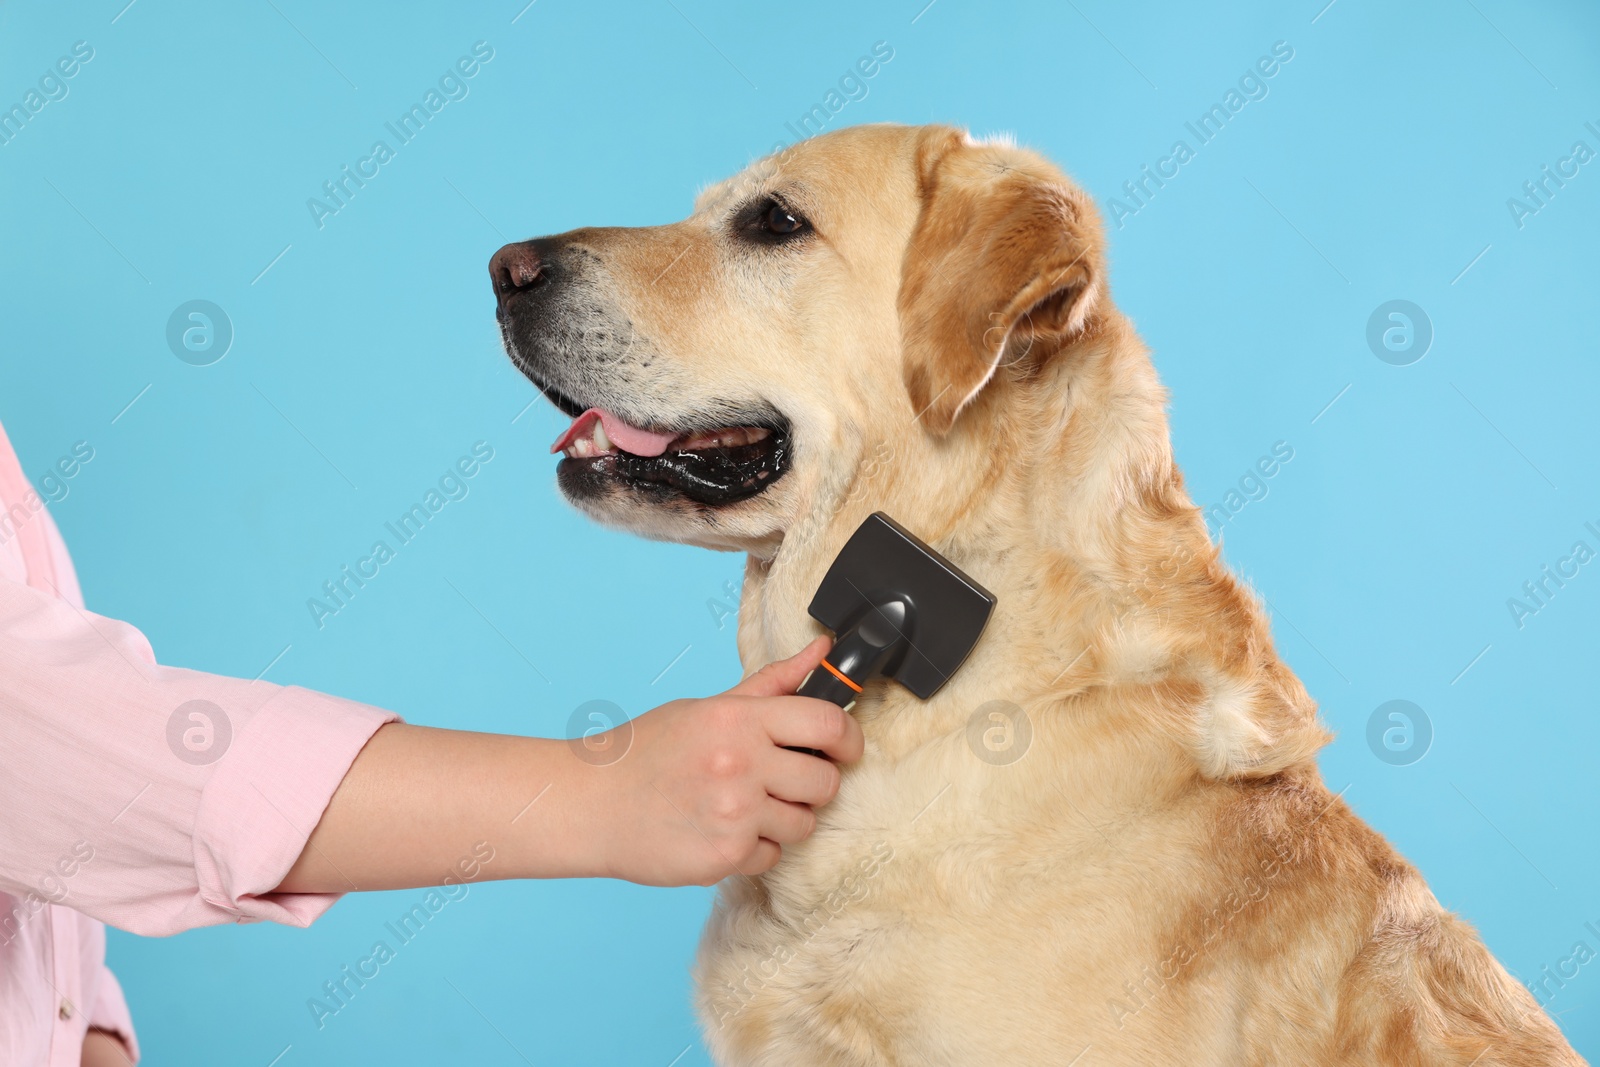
(1378, 167)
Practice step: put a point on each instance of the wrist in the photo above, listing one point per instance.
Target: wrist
(604, 823)
(567, 827)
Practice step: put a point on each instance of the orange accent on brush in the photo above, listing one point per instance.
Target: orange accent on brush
(837, 674)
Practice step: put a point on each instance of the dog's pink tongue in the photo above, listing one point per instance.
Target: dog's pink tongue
(624, 435)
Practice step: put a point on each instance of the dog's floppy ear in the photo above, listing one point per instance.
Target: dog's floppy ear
(1005, 260)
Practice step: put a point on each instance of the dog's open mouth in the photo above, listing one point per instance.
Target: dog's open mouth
(712, 465)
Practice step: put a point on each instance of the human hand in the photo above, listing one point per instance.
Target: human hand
(708, 789)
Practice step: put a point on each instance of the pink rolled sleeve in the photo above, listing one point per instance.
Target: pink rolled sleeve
(88, 759)
(152, 798)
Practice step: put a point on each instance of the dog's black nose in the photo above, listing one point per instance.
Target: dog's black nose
(514, 269)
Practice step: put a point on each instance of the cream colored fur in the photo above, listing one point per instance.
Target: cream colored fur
(1162, 877)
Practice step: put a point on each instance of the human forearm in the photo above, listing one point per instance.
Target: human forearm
(418, 800)
(697, 790)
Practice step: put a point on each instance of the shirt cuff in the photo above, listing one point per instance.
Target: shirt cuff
(267, 794)
(110, 1013)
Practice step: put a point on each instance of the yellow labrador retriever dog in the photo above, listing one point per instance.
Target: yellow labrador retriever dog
(1106, 840)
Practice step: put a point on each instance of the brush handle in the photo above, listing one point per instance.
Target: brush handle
(857, 656)
(823, 684)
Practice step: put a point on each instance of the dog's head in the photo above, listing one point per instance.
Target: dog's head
(825, 316)
(902, 319)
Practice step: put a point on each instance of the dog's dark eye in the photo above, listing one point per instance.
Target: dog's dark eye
(781, 221)
(771, 221)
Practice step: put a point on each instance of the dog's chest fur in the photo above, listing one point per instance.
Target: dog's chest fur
(950, 909)
(1100, 893)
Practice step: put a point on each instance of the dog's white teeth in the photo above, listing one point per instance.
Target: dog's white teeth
(594, 443)
(728, 437)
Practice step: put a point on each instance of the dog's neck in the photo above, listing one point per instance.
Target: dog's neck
(1047, 458)
(1057, 490)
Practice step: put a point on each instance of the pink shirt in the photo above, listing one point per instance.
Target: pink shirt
(123, 801)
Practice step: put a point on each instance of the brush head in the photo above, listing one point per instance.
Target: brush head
(942, 611)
